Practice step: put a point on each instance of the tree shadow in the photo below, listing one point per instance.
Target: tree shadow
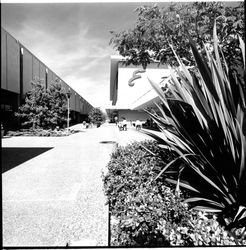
(12, 157)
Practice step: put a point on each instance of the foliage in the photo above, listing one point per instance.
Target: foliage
(57, 105)
(148, 213)
(44, 108)
(204, 124)
(41, 132)
(127, 184)
(198, 229)
(157, 27)
(35, 105)
(96, 116)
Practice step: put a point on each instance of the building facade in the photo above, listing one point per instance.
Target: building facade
(18, 68)
(130, 90)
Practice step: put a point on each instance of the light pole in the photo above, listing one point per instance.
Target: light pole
(68, 97)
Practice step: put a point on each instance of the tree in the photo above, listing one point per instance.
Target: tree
(43, 108)
(157, 28)
(58, 104)
(96, 116)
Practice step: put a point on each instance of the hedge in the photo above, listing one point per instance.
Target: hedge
(147, 213)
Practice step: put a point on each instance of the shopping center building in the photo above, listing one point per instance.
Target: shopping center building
(18, 68)
(130, 90)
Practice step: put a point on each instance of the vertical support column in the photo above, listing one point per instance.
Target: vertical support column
(6, 62)
(68, 112)
(3, 60)
(21, 75)
(21, 96)
(46, 78)
(68, 94)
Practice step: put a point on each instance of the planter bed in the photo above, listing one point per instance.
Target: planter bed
(42, 132)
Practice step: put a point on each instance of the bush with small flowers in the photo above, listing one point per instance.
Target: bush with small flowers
(144, 212)
(42, 132)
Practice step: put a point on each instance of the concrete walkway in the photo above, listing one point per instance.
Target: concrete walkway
(57, 197)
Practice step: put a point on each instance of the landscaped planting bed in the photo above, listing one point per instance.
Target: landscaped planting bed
(41, 132)
(145, 212)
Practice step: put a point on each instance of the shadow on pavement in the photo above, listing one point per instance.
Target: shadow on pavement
(108, 142)
(12, 157)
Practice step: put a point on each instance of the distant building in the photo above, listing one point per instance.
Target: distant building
(18, 68)
(130, 90)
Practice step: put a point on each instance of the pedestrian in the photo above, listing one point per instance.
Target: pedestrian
(116, 120)
(120, 126)
(138, 125)
(124, 123)
(84, 124)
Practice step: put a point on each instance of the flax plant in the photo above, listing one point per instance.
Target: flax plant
(203, 121)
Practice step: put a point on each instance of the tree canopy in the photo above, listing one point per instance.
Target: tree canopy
(96, 116)
(44, 108)
(159, 27)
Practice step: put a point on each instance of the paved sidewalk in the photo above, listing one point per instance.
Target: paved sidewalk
(57, 197)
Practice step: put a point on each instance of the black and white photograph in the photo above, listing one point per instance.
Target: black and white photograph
(123, 124)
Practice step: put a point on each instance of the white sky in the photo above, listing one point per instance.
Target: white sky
(72, 39)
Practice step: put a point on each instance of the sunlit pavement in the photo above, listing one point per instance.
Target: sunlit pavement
(57, 197)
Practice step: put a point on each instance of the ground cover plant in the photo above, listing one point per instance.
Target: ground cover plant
(42, 132)
(203, 121)
(145, 212)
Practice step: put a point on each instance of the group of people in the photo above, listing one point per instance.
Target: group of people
(123, 125)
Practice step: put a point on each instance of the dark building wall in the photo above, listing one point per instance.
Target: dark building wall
(3, 60)
(19, 67)
(35, 68)
(86, 108)
(27, 71)
(13, 65)
(81, 106)
(9, 105)
(54, 77)
(77, 102)
(72, 100)
(49, 78)
(65, 87)
(42, 70)
(10, 80)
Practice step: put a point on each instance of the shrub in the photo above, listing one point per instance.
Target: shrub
(96, 116)
(195, 229)
(202, 118)
(147, 213)
(41, 132)
(14, 133)
(130, 192)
